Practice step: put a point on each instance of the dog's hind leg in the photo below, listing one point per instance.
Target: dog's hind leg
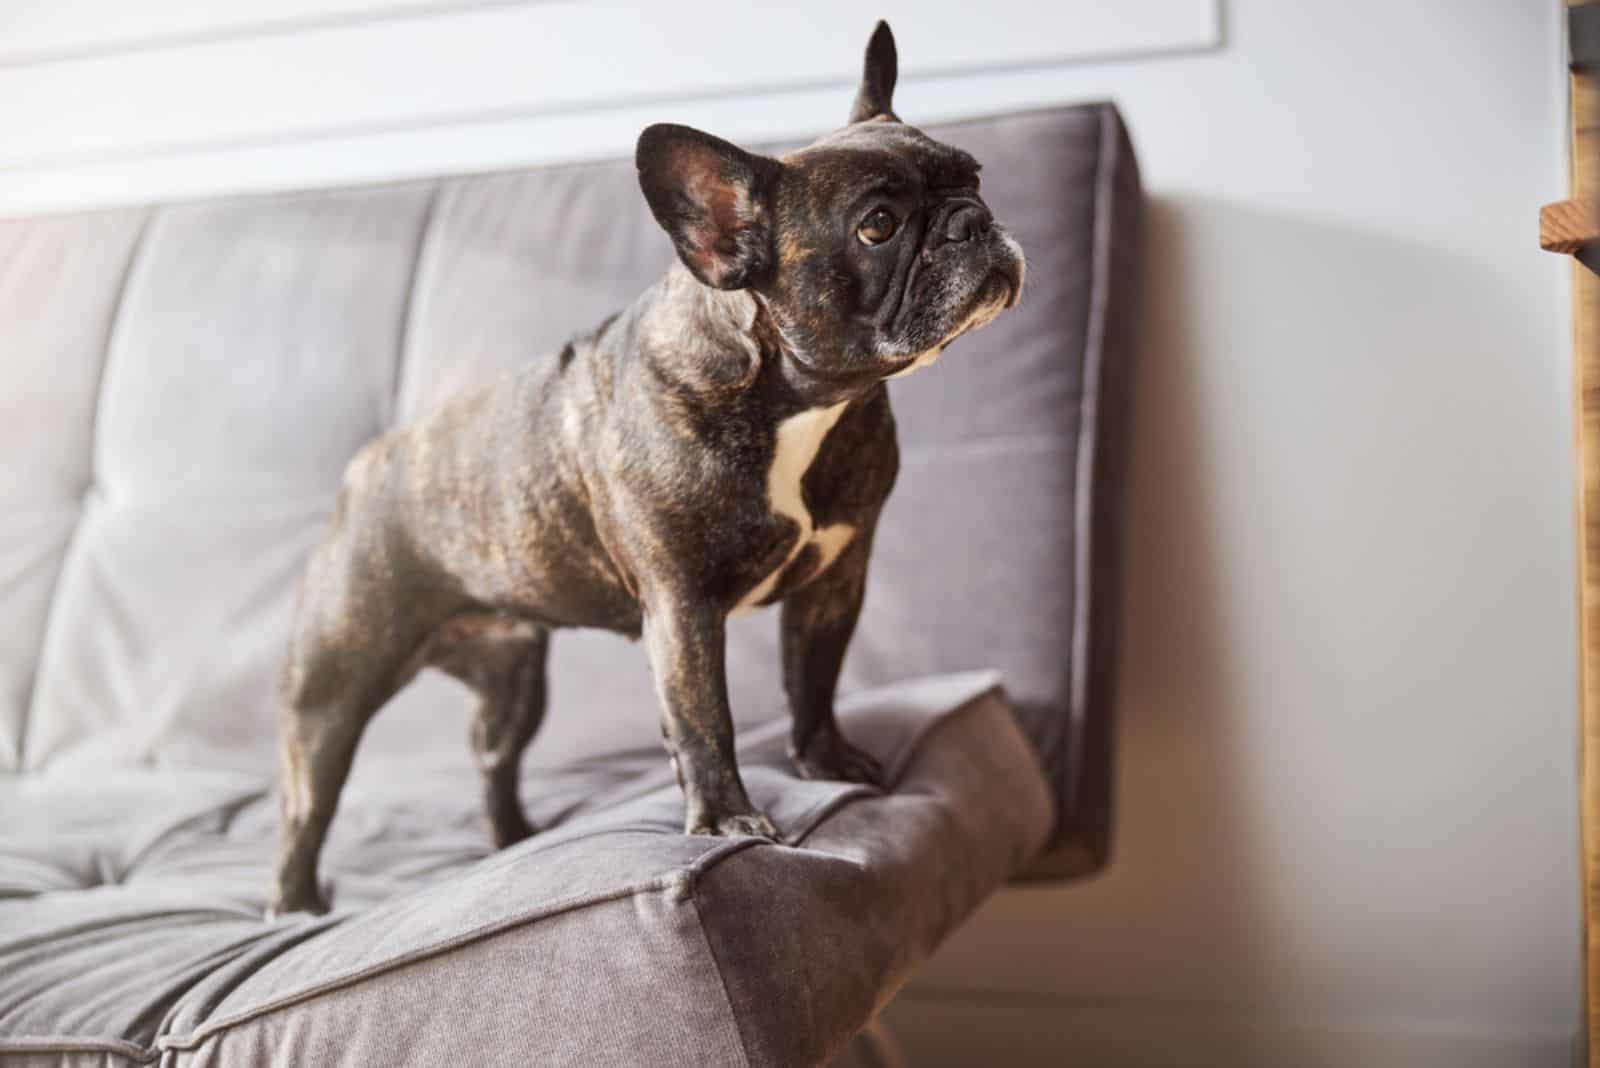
(503, 661)
(357, 637)
(324, 707)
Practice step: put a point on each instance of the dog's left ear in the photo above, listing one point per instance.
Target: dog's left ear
(878, 74)
(714, 201)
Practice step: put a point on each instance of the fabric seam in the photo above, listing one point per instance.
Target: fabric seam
(135, 255)
(1088, 418)
(54, 1044)
(408, 306)
(716, 964)
(664, 881)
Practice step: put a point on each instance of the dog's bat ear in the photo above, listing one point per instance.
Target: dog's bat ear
(714, 201)
(878, 74)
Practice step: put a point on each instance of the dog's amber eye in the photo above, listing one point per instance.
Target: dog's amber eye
(877, 227)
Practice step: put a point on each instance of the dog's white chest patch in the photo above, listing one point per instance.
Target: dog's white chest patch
(799, 438)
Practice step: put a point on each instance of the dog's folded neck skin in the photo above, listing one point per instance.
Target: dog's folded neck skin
(715, 344)
(702, 340)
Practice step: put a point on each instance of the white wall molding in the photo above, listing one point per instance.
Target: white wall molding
(49, 31)
(203, 99)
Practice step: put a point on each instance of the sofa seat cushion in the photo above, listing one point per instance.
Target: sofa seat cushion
(131, 927)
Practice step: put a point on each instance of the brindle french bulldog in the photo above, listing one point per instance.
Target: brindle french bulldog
(724, 443)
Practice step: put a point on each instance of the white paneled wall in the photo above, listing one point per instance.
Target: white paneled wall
(107, 102)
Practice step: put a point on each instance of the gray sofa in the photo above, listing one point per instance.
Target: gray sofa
(182, 387)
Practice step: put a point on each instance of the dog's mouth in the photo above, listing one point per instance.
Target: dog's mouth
(1011, 270)
(999, 291)
(1000, 287)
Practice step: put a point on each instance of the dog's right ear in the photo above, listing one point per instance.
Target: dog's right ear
(714, 201)
(879, 71)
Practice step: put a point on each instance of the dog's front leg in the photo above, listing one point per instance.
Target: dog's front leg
(686, 645)
(818, 620)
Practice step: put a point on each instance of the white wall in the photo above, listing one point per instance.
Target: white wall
(1347, 830)
(102, 101)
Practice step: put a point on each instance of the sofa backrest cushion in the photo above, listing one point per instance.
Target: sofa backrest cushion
(185, 384)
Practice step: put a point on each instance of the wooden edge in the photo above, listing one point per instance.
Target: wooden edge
(1568, 226)
(1584, 176)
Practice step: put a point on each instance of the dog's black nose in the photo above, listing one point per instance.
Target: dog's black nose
(966, 223)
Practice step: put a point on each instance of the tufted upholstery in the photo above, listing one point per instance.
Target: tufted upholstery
(183, 387)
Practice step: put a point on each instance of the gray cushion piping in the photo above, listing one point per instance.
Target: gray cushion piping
(1083, 489)
(913, 748)
(671, 880)
(813, 816)
(51, 1044)
(893, 774)
(674, 880)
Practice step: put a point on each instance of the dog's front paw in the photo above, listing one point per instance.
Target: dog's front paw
(828, 756)
(509, 828)
(285, 902)
(729, 825)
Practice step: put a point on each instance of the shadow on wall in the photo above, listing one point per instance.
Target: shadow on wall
(1174, 751)
(1262, 904)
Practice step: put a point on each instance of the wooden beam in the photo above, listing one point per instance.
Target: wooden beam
(1569, 225)
(1584, 161)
